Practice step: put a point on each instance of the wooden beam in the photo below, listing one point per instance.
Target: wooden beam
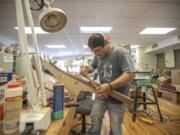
(75, 84)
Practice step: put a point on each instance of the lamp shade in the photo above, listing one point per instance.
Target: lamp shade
(52, 19)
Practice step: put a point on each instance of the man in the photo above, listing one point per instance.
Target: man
(116, 70)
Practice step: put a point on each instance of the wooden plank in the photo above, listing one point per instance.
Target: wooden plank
(58, 127)
(75, 84)
(71, 82)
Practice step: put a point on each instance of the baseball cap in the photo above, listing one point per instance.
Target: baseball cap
(96, 40)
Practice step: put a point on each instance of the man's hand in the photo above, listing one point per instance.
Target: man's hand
(104, 90)
(84, 71)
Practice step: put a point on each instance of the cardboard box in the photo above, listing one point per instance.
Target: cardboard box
(175, 74)
(172, 97)
(163, 81)
(177, 88)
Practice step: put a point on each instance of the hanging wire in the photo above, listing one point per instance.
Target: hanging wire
(40, 4)
(49, 1)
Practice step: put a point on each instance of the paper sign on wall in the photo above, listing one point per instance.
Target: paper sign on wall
(8, 58)
(169, 59)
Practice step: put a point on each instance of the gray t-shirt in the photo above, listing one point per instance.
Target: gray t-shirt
(112, 66)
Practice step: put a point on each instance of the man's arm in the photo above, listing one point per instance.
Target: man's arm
(122, 80)
(86, 70)
(106, 88)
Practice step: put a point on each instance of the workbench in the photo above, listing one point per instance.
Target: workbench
(61, 126)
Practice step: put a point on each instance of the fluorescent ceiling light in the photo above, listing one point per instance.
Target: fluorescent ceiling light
(55, 46)
(95, 29)
(87, 53)
(85, 46)
(149, 30)
(37, 30)
(135, 46)
(31, 50)
(65, 53)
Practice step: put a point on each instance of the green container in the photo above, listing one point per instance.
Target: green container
(143, 78)
(57, 115)
(141, 82)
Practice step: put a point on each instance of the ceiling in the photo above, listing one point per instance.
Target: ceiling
(127, 18)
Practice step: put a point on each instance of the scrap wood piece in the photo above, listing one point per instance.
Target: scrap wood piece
(75, 84)
(146, 120)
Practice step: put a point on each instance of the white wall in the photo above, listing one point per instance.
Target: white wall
(6, 41)
(146, 61)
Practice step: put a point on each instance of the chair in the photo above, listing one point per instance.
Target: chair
(84, 109)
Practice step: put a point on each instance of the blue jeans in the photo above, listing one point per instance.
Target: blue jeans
(116, 113)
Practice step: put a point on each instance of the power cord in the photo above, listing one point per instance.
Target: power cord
(166, 117)
(29, 130)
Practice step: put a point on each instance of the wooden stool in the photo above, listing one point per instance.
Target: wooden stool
(146, 101)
